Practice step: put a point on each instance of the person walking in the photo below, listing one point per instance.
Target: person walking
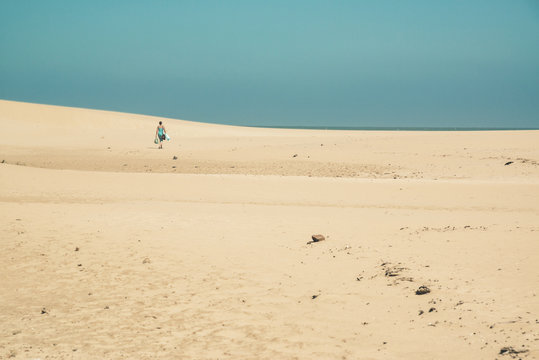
(160, 134)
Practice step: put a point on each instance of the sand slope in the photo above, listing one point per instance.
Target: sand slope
(112, 249)
(68, 138)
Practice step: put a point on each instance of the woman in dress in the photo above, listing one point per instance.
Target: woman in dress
(160, 134)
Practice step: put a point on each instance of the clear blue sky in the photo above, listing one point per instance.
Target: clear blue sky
(462, 63)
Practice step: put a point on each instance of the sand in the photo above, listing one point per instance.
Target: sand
(113, 249)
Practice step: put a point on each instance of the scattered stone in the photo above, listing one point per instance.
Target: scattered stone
(295, 155)
(146, 261)
(359, 278)
(77, 248)
(314, 296)
(432, 309)
(3, 161)
(421, 312)
(44, 311)
(317, 238)
(174, 157)
(509, 350)
(422, 290)
(508, 163)
(79, 265)
(16, 332)
(106, 307)
(394, 271)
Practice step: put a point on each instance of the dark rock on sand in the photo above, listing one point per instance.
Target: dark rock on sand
(394, 271)
(508, 163)
(174, 157)
(317, 238)
(422, 290)
(509, 350)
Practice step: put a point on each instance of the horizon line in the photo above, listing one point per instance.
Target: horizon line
(299, 127)
(395, 128)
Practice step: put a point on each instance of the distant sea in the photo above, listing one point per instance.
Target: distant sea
(390, 128)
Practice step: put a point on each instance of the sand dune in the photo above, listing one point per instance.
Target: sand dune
(114, 249)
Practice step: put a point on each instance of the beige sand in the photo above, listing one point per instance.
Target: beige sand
(112, 249)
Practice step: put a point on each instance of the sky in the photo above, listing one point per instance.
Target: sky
(334, 63)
